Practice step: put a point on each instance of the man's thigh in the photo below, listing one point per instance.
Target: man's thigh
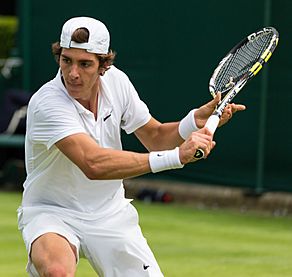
(118, 248)
(53, 251)
(49, 240)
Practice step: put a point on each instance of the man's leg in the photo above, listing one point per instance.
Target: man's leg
(53, 255)
(116, 246)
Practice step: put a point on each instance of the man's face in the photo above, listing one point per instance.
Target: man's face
(80, 72)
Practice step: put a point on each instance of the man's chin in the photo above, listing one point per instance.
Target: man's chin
(74, 93)
(73, 88)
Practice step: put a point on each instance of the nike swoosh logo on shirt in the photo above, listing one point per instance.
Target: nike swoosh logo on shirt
(106, 117)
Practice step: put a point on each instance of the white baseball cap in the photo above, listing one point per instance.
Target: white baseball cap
(99, 38)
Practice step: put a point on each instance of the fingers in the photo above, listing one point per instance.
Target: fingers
(214, 102)
(229, 111)
(233, 108)
(201, 139)
(203, 113)
(218, 96)
(211, 105)
(237, 107)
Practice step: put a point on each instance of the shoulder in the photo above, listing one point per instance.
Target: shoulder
(115, 75)
(116, 84)
(49, 96)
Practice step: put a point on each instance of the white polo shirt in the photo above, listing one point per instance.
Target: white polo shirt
(53, 181)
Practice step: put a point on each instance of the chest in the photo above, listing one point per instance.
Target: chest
(106, 128)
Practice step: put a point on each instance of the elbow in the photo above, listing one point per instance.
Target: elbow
(99, 168)
(93, 173)
(92, 170)
(102, 173)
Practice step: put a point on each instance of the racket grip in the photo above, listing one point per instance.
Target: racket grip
(211, 124)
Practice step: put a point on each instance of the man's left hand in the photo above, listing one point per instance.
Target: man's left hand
(204, 112)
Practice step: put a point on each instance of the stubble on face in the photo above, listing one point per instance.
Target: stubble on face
(80, 71)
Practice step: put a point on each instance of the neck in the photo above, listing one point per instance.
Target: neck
(90, 103)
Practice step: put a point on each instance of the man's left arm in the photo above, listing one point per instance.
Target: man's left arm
(163, 136)
(159, 136)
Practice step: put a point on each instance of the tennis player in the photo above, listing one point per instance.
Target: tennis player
(74, 203)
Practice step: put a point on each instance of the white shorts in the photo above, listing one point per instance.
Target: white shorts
(114, 246)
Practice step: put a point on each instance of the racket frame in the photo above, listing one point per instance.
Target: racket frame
(213, 121)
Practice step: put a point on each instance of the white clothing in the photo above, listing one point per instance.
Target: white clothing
(112, 251)
(59, 198)
(52, 179)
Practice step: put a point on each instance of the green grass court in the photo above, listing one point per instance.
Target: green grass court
(187, 242)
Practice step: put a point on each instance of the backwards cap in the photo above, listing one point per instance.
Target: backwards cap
(99, 38)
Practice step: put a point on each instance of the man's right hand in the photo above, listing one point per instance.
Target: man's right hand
(201, 139)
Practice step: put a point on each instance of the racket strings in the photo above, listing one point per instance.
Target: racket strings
(241, 61)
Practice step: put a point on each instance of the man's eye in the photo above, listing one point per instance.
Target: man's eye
(85, 64)
(65, 60)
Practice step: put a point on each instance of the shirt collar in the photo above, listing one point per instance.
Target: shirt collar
(104, 98)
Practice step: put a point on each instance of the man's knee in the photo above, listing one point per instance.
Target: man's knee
(56, 270)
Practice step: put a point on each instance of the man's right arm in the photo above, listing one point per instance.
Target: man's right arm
(99, 163)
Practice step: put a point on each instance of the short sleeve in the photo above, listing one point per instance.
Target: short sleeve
(136, 113)
(53, 119)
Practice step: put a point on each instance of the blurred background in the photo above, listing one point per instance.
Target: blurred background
(169, 50)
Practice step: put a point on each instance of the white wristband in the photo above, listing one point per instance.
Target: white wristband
(164, 160)
(188, 125)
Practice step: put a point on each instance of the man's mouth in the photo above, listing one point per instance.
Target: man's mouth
(74, 85)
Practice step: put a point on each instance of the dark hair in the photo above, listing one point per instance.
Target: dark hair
(81, 35)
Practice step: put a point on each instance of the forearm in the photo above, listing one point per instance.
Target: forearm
(167, 137)
(102, 163)
(108, 164)
(99, 163)
(130, 164)
(159, 136)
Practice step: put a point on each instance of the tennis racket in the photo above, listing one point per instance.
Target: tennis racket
(239, 66)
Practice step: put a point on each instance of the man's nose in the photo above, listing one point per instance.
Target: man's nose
(74, 73)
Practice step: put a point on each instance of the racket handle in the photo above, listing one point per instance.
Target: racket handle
(211, 124)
